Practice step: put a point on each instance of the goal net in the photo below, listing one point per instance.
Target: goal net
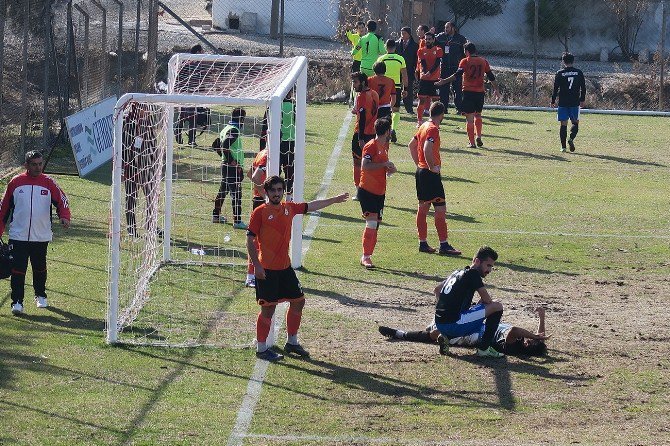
(182, 195)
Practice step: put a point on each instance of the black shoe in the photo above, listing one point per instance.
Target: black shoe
(444, 345)
(394, 138)
(296, 349)
(387, 331)
(447, 250)
(269, 355)
(479, 142)
(571, 143)
(424, 247)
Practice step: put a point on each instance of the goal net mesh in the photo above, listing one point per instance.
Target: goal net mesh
(181, 250)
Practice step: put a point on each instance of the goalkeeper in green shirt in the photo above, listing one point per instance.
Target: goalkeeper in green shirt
(396, 69)
(370, 47)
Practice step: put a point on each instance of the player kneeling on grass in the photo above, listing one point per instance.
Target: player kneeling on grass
(375, 167)
(570, 87)
(455, 315)
(276, 282)
(508, 339)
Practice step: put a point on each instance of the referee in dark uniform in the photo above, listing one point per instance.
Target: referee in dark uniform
(407, 48)
(570, 87)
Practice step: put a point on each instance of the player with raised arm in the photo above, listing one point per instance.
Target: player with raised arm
(270, 227)
(429, 57)
(375, 168)
(385, 88)
(473, 69)
(365, 109)
(425, 151)
(354, 37)
(370, 46)
(396, 69)
(570, 88)
(454, 313)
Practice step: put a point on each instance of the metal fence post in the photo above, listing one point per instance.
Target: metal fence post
(47, 61)
(87, 73)
(3, 12)
(105, 50)
(152, 46)
(119, 49)
(535, 44)
(661, 99)
(24, 77)
(136, 85)
(68, 59)
(281, 29)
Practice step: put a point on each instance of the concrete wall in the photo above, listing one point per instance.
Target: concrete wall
(317, 18)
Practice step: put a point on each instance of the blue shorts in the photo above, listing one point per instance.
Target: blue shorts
(471, 321)
(571, 113)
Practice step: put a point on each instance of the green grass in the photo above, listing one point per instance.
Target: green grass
(586, 233)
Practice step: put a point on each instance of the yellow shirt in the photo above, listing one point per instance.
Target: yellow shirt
(354, 38)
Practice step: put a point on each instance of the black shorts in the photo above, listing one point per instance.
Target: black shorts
(356, 66)
(286, 153)
(370, 203)
(473, 102)
(428, 88)
(356, 150)
(398, 97)
(278, 286)
(429, 187)
(384, 112)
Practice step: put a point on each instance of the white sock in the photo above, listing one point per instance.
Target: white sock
(250, 276)
(400, 334)
(292, 339)
(261, 347)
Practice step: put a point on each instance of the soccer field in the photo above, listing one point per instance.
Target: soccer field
(586, 234)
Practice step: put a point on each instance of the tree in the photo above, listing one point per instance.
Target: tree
(554, 19)
(628, 20)
(465, 10)
(15, 14)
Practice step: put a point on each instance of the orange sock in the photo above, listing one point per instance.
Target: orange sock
(471, 132)
(369, 241)
(421, 224)
(478, 124)
(262, 328)
(293, 321)
(419, 110)
(441, 226)
(357, 174)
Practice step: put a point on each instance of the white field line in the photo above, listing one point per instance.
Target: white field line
(251, 398)
(377, 440)
(530, 233)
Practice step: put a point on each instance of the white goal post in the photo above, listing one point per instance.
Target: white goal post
(139, 254)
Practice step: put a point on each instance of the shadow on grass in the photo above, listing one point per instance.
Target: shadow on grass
(444, 178)
(506, 120)
(349, 301)
(382, 385)
(321, 239)
(530, 269)
(346, 218)
(620, 160)
(450, 215)
(65, 320)
(532, 155)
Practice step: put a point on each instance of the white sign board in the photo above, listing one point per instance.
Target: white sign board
(92, 135)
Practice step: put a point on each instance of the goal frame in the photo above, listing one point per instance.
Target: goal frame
(297, 77)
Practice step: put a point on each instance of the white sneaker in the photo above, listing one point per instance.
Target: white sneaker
(41, 302)
(17, 308)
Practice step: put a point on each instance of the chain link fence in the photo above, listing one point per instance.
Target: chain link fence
(60, 56)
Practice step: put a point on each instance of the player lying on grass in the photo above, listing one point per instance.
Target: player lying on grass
(508, 339)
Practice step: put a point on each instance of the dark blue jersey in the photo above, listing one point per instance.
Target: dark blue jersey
(570, 87)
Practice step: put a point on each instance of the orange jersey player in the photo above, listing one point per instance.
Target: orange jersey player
(268, 238)
(473, 69)
(429, 63)
(375, 167)
(385, 88)
(365, 108)
(425, 151)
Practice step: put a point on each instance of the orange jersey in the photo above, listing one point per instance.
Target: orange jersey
(260, 161)
(427, 60)
(374, 181)
(474, 69)
(428, 132)
(367, 101)
(422, 43)
(271, 224)
(384, 86)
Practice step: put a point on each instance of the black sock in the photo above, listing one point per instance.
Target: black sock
(564, 134)
(492, 322)
(573, 130)
(418, 336)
